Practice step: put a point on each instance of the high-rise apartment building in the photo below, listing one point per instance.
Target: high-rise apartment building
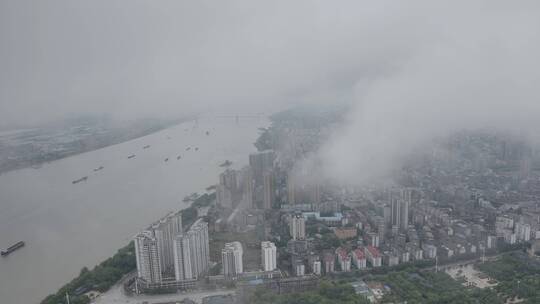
(297, 227)
(268, 256)
(400, 213)
(260, 162)
(523, 232)
(224, 196)
(198, 234)
(248, 187)
(164, 231)
(269, 191)
(147, 257)
(291, 189)
(182, 258)
(191, 252)
(232, 259)
(227, 191)
(229, 179)
(163, 251)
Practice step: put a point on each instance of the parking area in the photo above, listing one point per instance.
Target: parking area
(470, 276)
(116, 295)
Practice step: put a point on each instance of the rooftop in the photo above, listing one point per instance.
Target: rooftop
(374, 251)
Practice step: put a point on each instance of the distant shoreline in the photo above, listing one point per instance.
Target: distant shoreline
(37, 163)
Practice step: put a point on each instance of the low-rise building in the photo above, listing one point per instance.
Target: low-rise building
(345, 232)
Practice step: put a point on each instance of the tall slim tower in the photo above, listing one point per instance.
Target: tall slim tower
(297, 227)
(227, 191)
(147, 257)
(268, 256)
(400, 213)
(248, 186)
(191, 252)
(396, 212)
(404, 215)
(232, 259)
(269, 191)
(224, 196)
(260, 162)
(182, 258)
(164, 231)
(291, 189)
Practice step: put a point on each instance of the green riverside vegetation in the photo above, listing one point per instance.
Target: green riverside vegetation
(518, 276)
(328, 293)
(101, 278)
(110, 271)
(432, 288)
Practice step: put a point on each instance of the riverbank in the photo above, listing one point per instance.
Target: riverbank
(105, 275)
(20, 149)
(67, 226)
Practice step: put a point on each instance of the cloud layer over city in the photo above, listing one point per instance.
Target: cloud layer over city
(410, 70)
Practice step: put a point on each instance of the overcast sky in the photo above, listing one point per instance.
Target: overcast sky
(412, 70)
(152, 57)
(133, 58)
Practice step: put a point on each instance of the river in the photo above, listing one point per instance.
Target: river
(68, 226)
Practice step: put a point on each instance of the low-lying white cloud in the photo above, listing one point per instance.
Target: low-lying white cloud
(412, 70)
(481, 73)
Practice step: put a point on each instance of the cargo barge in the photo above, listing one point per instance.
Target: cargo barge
(12, 248)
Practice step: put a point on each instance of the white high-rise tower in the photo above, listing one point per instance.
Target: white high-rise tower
(268, 256)
(191, 252)
(147, 257)
(297, 227)
(232, 259)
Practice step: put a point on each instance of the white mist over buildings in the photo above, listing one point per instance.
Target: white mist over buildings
(411, 71)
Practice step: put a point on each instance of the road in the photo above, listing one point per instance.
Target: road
(117, 295)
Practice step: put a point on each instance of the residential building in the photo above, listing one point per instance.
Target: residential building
(373, 256)
(523, 232)
(269, 191)
(260, 162)
(183, 260)
(147, 257)
(329, 262)
(297, 227)
(430, 251)
(232, 259)
(400, 214)
(224, 196)
(491, 242)
(316, 267)
(268, 256)
(344, 259)
(359, 258)
(192, 252)
(165, 231)
(344, 233)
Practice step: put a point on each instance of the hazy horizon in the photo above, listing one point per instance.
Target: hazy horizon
(410, 71)
(389, 84)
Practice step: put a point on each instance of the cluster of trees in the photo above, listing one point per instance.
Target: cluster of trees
(106, 274)
(433, 288)
(327, 293)
(101, 278)
(190, 214)
(265, 140)
(517, 276)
